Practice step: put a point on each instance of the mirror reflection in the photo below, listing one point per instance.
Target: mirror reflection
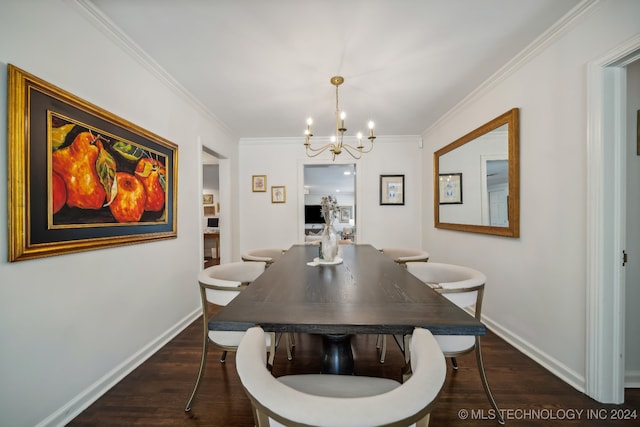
(477, 180)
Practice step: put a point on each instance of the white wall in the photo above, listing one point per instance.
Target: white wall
(72, 325)
(265, 224)
(632, 271)
(536, 293)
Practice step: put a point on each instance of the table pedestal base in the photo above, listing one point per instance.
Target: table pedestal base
(338, 357)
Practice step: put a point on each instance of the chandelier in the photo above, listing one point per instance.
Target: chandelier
(337, 145)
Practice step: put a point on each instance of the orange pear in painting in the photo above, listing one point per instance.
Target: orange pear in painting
(153, 176)
(76, 165)
(128, 205)
(58, 192)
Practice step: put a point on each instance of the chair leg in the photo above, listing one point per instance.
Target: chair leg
(203, 364)
(383, 350)
(406, 348)
(406, 351)
(485, 383)
(381, 344)
(223, 358)
(290, 344)
(272, 349)
(424, 422)
(292, 339)
(454, 362)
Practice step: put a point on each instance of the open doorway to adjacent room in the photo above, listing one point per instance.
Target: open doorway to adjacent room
(338, 180)
(211, 207)
(613, 354)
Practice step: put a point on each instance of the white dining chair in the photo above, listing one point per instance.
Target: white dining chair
(341, 400)
(400, 256)
(266, 255)
(219, 285)
(404, 255)
(464, 287)
(269, 256)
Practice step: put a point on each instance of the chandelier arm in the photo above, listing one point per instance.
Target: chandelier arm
(348, 149)
(320, 149)
(313, 152)
(363, 150)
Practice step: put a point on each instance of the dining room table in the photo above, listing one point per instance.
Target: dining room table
(361, 292)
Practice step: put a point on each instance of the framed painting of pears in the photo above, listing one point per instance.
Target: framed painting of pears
(81, 178)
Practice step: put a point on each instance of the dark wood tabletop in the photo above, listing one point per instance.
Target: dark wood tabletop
(367, 293)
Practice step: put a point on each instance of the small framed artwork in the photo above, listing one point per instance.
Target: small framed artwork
(209, 211)
(80, 177)
(259, 183)
(345, 213)
(278, 194)
(450, 185)
(392, 189)
(207, 199)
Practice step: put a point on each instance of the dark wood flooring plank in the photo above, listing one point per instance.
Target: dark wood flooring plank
(156, 392)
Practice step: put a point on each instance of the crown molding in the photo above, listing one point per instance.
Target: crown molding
(90, 12)
(385, 139)
(527, 54)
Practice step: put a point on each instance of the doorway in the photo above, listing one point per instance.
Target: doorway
(211, 207)
(632, 246)
(606, 222)
(338, 180)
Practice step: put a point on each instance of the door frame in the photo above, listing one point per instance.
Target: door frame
(606, 227)
(356, 190)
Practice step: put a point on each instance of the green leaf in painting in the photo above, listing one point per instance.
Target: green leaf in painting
(129, 151)
(106, 169)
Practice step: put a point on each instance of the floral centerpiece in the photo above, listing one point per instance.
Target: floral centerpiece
(329, 206)
(329, 240)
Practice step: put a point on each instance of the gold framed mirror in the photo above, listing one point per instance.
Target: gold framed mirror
(477, 179)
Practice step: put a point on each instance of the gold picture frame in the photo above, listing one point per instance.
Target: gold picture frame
(259, 183)
(129, 175)
(278, 194)
(207, 199)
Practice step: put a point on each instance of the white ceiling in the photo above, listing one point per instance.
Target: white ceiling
(262, 67)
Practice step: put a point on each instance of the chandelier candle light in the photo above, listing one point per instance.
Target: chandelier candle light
(337, 145)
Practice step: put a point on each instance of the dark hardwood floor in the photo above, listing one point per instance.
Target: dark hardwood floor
(156, 392)
(208, 261)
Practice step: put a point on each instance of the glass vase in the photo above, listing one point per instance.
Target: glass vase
(329, 242)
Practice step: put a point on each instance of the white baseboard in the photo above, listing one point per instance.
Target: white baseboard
(557, 368)
(83, 400)
(632, 379)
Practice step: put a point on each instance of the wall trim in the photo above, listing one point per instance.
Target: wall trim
(384, 139)
(523, 57)
(551, 364)
(92, 393)
(632, 379)
(90, 12)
